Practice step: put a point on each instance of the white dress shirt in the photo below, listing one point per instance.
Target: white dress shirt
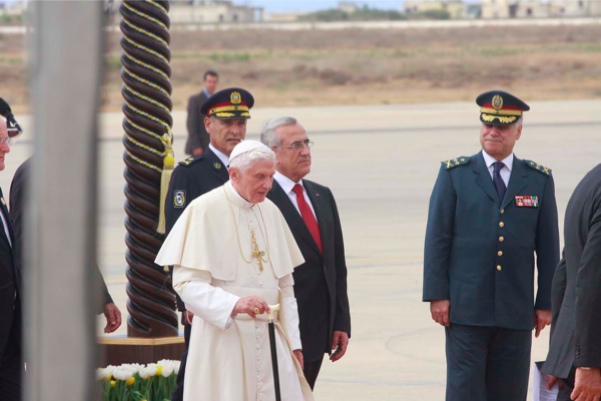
(287, 185)
(224, 159)
(505, 171)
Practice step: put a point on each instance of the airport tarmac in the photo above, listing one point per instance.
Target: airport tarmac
(381, 163)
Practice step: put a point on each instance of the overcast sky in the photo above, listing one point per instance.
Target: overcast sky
(312, 5)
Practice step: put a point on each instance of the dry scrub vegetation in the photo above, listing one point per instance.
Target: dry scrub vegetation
(355, 66)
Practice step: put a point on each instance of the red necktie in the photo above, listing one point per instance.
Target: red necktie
(307, 215)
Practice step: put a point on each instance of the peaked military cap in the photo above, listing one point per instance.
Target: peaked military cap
(229, 104)
(500, 108)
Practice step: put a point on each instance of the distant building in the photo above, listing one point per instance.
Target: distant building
(500, 9)
(455, 8)
(212, 11)
(348, 7)
(574, 8)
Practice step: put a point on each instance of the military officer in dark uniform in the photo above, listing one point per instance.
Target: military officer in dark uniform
(489, 214)
(226, 114)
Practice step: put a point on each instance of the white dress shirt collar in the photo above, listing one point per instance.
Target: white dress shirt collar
(489, 160)
(224, 159)
(286, 183)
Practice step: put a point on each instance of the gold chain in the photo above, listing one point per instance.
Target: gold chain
(229, 202)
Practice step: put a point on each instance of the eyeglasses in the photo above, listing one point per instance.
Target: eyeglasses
(9, 141)
(296, 146)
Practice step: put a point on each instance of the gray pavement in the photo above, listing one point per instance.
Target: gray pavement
(381, 163)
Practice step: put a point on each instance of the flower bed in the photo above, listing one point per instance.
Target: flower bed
(135, 382)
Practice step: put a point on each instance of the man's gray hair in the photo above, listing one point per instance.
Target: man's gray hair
(269, 136)
(245, 160)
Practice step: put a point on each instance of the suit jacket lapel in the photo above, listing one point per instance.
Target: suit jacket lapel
(217, 166)
(517, 181)
(483, 178)
(293, 217)
(7, 219)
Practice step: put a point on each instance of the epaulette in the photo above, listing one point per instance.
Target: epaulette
(190, 160)
(538, 167)
(458, 161)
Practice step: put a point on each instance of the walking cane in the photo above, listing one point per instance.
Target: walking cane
(274, 355)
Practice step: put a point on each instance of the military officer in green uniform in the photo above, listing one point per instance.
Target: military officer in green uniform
(489, 215)
(226, 114)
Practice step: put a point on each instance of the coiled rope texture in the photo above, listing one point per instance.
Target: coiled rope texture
(147, 108)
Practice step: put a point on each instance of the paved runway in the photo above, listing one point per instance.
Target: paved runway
(381, 163)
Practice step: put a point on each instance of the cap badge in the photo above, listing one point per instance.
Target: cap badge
(497, 102)
(235, 98)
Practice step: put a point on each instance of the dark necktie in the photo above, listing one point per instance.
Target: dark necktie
(307, 215)
(499, 183)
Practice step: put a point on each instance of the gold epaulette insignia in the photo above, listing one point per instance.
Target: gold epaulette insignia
(449, 164)
(187, 161)
(538, 167)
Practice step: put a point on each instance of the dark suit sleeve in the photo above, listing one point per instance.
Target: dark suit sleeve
(342, 321)
(18, 188)
(106, 296)
(558, 290)
(547, 246)
(193, 123)
(439, 237)
(587, 332)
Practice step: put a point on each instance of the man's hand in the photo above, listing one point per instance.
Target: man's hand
(188, 316)
(113, 317)
(552, 380)
(340, 341)
(587, 386)
(197, 151)
(440, 311)
(250, 305)
(299, 357)
(542, 318)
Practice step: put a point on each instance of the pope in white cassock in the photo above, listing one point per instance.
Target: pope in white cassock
(233, 255)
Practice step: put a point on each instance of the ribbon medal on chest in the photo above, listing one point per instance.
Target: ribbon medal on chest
(526, 201)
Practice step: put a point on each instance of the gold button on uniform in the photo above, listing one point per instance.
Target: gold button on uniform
(502, 211)
(501, 239)
(501, 224)
(500, 253)
(499, 268)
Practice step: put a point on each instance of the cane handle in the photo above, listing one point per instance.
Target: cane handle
(273, 309)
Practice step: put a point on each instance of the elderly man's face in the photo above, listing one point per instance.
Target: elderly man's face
(4, 147)
(225, 134)
(254, 183)
(499, 140)
(293, 154)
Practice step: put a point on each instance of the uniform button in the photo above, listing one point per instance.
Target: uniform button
(500, 253)
(501, 238)
(501, 224)
(499, 268)
(502, 211)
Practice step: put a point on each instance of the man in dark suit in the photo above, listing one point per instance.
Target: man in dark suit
(18, 201)
(198, 139)
(11, 364)
(575, 349)
(489, 214)
(226, 113)
(311, 213)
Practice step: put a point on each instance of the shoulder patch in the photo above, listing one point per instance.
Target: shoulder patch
(190, 160)
(458, 161)
(538, 167)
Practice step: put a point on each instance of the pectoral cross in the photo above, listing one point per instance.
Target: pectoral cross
(256, 253)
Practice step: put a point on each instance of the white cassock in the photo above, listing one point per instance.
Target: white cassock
(229, 358)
